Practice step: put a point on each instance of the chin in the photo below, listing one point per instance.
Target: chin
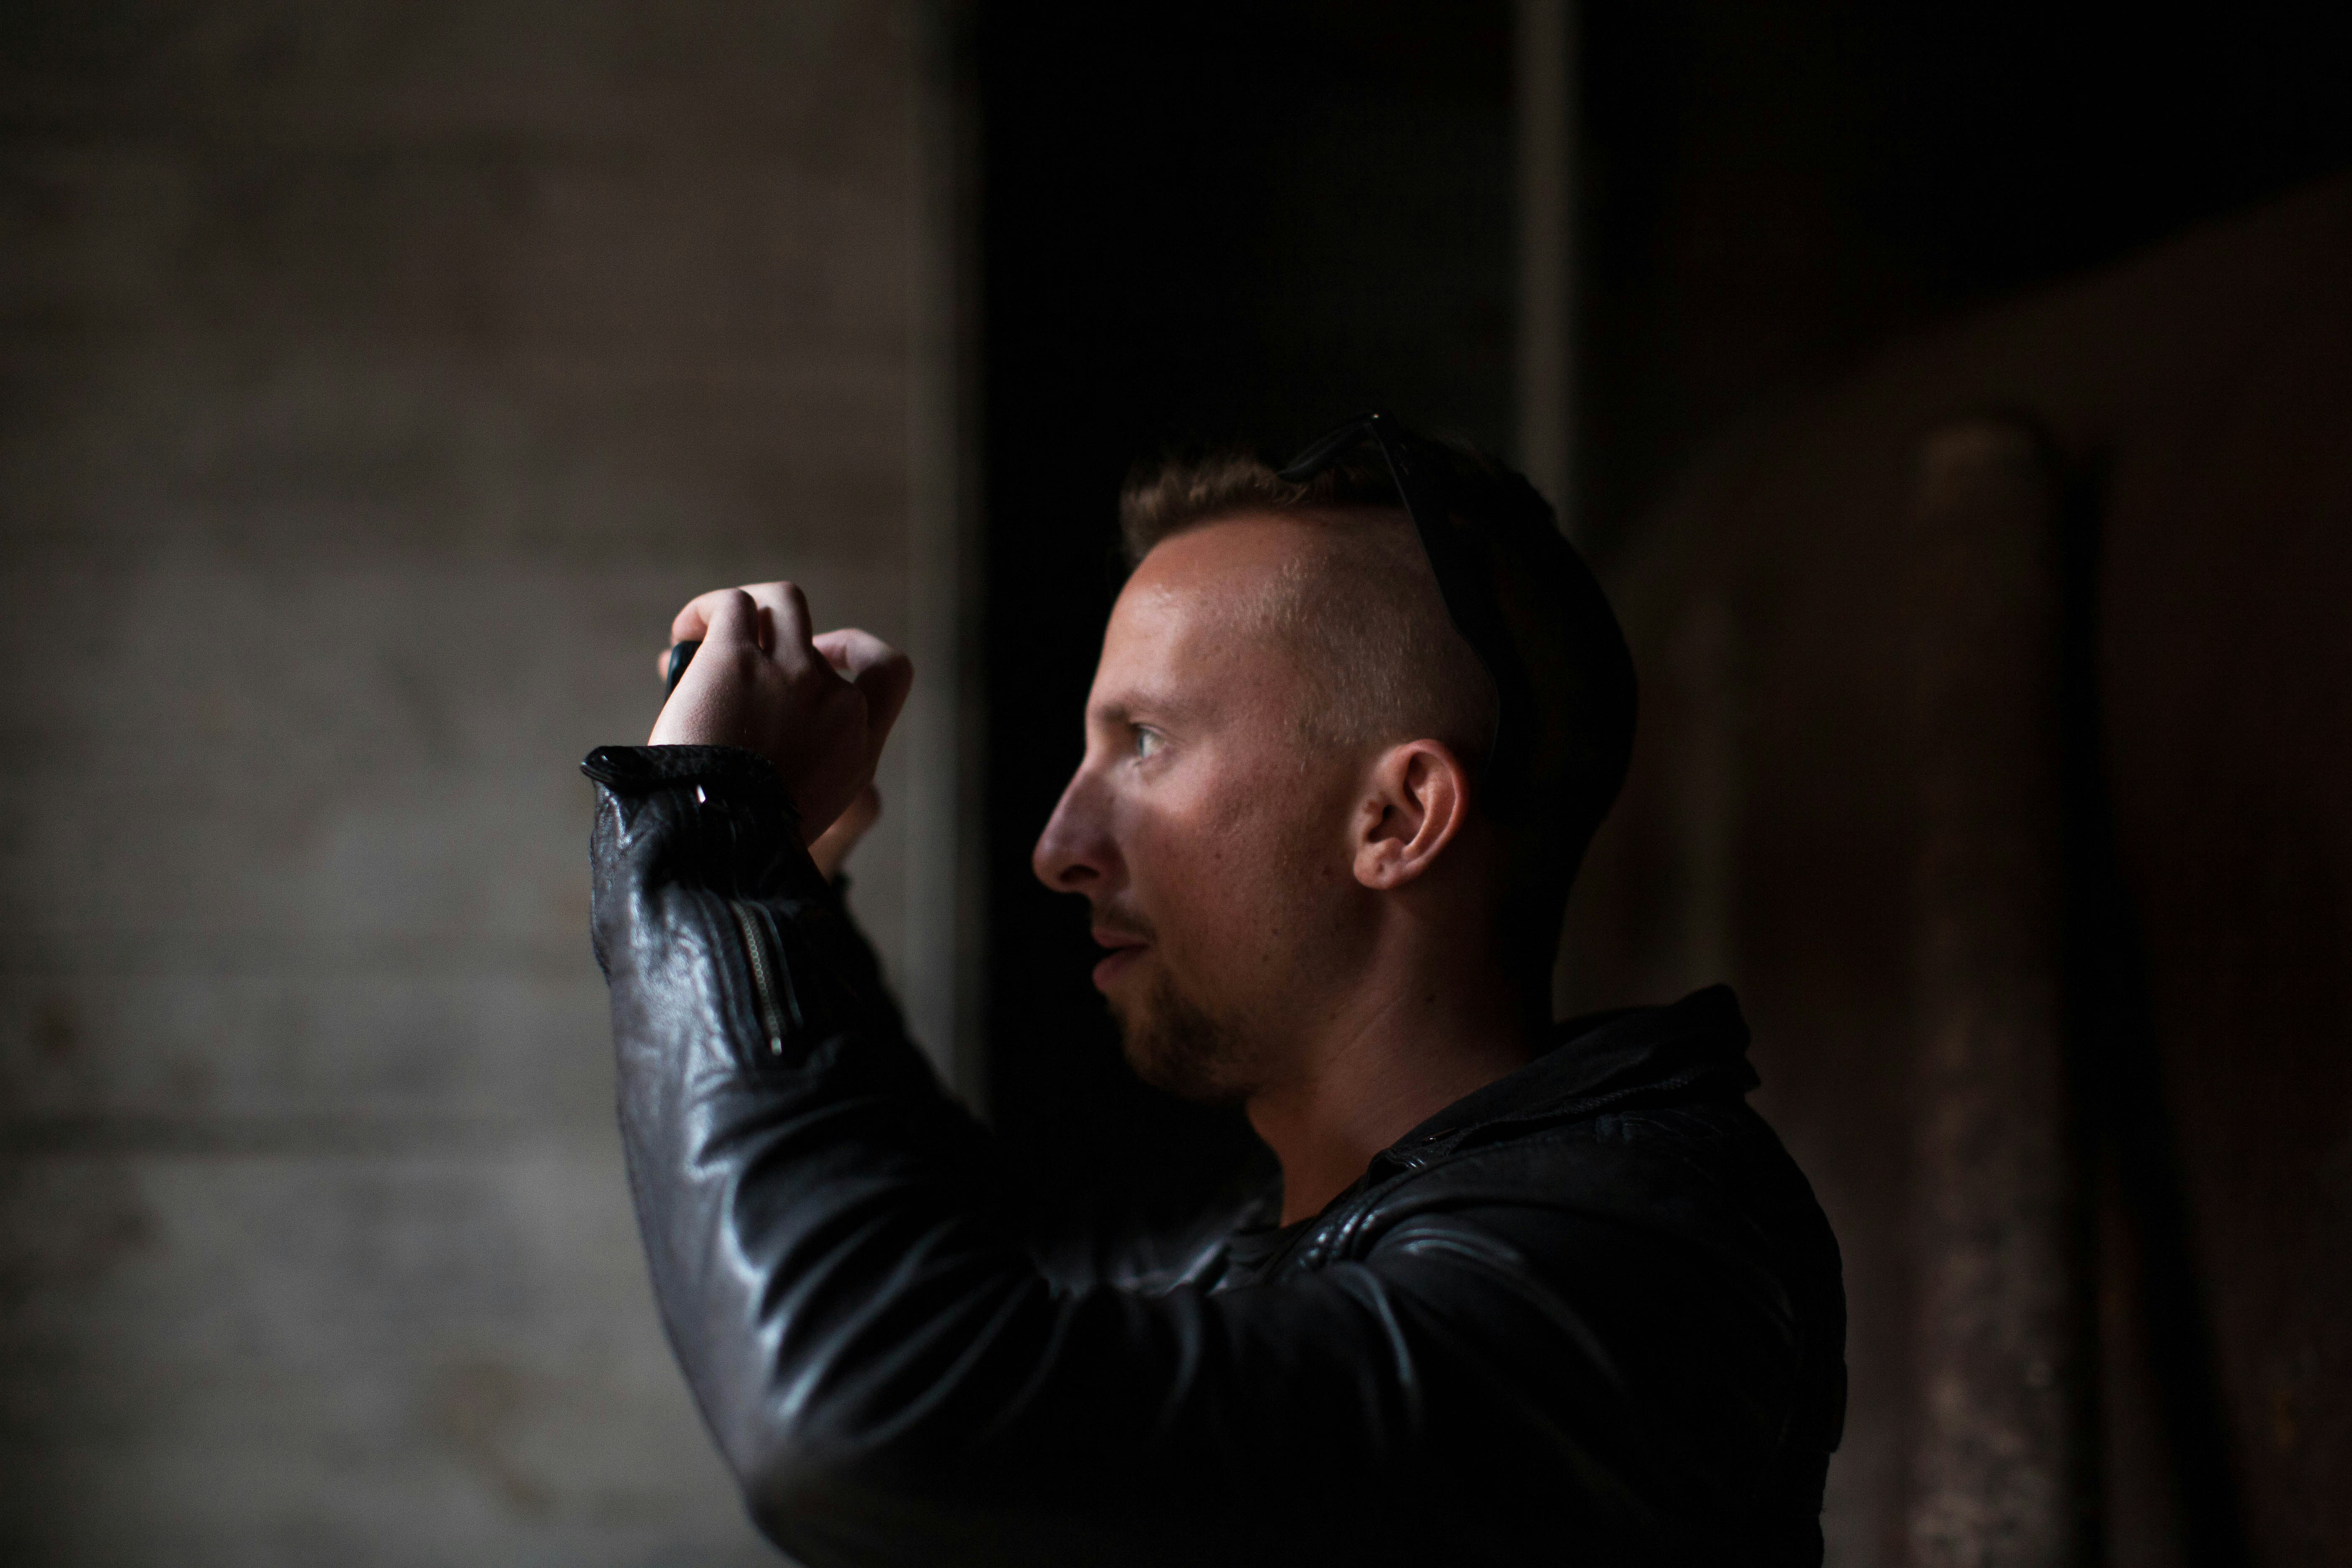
(1179, 1047)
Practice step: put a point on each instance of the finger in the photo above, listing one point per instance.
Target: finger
(732, 622)
(729, 656)
(787, 611)
(856, 817)
(878, 670)
(829, 644)
(829, 849)
(692, 622)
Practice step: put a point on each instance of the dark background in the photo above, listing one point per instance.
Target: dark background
(1219, 222)
(1255, 221)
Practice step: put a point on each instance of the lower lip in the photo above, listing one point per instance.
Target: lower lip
(1114, 964)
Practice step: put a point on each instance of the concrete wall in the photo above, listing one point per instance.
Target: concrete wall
(378, 380)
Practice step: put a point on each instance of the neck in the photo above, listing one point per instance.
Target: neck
(1394, 1053)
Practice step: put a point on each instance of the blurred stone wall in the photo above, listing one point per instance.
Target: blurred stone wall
(2045, 949)
(378, 379)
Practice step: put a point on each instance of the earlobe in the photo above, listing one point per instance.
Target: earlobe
(1415, 804)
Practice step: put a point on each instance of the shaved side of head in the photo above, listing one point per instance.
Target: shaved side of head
(1359, 609)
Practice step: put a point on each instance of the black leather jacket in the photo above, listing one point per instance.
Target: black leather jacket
(1591, 1314)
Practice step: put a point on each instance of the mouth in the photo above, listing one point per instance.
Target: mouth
(1126, 950)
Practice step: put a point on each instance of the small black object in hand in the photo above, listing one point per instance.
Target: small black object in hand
(680, 656)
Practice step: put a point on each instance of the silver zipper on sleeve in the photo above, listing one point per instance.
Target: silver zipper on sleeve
(768, 980)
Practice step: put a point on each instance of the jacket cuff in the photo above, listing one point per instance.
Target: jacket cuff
(745, 775)
(741, 825)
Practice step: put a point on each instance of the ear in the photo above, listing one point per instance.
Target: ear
(1416, 800)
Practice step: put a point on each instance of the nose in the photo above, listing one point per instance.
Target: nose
(1074, 853)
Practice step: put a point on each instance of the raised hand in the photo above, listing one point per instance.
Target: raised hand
(817, 707)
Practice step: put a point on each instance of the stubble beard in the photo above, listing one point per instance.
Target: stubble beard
(1178, 1046)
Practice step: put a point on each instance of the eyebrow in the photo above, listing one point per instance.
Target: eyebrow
(1155, 705)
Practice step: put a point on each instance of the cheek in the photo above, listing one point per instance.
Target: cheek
(1181, 869)
(1243, 877)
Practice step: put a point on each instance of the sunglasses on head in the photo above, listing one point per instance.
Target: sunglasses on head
(1456, 557)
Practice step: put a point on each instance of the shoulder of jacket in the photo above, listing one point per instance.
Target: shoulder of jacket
(1648, 1167)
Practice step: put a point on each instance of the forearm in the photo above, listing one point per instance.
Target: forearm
(751, 1037)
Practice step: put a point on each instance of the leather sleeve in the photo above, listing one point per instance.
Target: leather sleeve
(894, 1380)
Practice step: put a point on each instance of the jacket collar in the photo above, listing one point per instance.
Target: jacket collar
(1695, 1050)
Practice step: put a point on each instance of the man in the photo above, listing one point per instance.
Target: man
(1522, 1294)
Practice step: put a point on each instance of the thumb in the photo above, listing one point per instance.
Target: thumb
(882, 675)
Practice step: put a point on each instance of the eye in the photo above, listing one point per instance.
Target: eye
(1148, 742)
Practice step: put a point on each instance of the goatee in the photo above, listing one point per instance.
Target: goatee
(1177, 1046)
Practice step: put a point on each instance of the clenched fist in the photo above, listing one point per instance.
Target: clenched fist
(818, 708)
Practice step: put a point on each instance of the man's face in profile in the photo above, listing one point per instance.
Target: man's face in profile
(1210, 837)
